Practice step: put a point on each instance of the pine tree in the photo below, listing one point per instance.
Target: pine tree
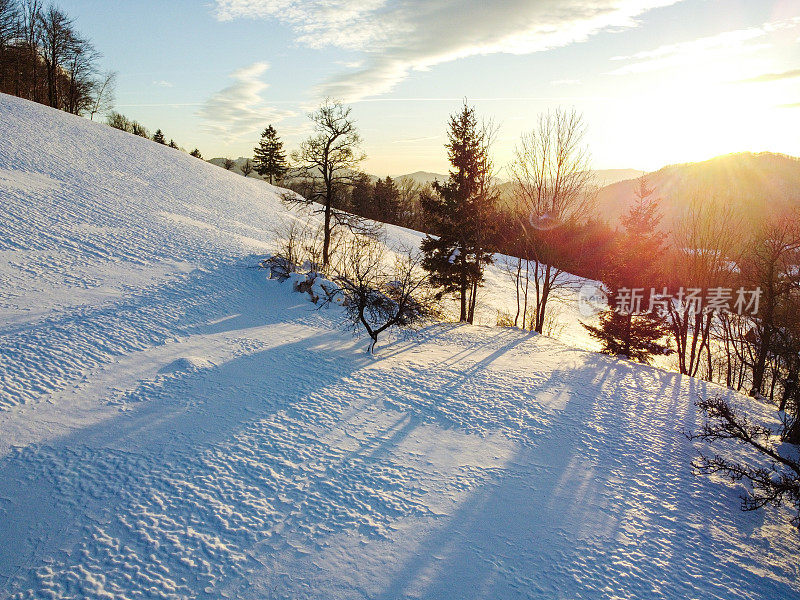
(362, 193)
(158, 136)
(172, 144)
(386, 201)
(270, 159)
(634, 328)
(196, 153)
(458, 209)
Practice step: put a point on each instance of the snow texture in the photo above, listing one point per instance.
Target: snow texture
(174, 424)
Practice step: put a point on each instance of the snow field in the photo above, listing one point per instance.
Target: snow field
(175, 425)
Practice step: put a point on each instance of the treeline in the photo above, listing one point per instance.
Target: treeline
(123, 123)
(43, 58)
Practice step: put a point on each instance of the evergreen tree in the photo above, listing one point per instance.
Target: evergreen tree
(158, 136)
(172, 144)
(270, 159)
(635, 323)
(458, 209)
(196, 153)
(362, 194)
(386, 201)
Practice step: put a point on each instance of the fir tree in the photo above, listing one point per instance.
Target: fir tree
(635, 323)
(458, 209)
(362, 194)
(270, 159)
(158, 137)
(386, 201)
(172, 144)
(196, 153)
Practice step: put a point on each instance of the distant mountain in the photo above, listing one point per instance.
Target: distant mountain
(754, 185)
(220, 162)
(606, 177)
(422, 177)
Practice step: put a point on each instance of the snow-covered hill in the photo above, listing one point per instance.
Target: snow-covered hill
(175, 425)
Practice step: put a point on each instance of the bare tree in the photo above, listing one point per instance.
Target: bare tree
(553, 189)
(81, 71)
(328, 161)
(376, 296)
(410, 208)
(57, 42)
(140, 130)
(247, 168)
(103, 94)
(228, 164)
(704, 240)
(8, 22)
(771, 264)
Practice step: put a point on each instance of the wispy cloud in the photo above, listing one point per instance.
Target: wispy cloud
(416, 140)
(791, 105)
(767, 77)
(163, 83)
(240, 109)
(682, 53)
(400, 36)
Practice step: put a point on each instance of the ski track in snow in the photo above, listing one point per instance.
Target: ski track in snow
(174, 425)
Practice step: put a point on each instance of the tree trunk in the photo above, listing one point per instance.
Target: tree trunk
(472, 301)
(518, 282)
(326, 239)
(760, 366)
(463, 282)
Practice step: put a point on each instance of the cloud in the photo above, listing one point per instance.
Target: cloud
(766, 77)
(566, 82)
(400, 36)
(239, 109)
(682, 53)
(792, 105)
(163, 83)
(416, 140)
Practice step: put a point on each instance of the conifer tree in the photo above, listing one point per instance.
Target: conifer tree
(458, 211)
(386, 201)
(634, 325)
(270, 159)
(196, 153)
(158, 137)
(362, 194)
(172, 144)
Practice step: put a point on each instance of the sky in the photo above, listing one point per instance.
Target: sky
(657, 81)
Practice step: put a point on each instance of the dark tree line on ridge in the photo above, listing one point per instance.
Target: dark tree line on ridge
(45, 59)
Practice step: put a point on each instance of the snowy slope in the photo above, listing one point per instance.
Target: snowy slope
(174, 425)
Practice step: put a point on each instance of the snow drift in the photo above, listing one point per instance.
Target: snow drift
(175, 425)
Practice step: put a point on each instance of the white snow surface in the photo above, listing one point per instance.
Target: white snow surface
(175, 425)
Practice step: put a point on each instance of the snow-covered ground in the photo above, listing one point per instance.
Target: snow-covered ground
(175, 425)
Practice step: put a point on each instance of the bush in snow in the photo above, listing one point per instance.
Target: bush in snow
(280, 267)
(376, 296)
